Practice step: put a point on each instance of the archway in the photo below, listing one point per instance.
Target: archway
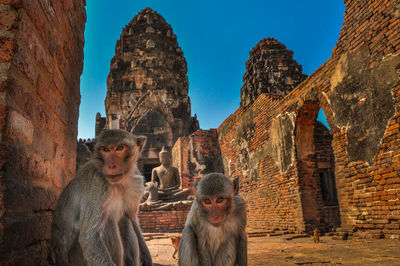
(315, 163)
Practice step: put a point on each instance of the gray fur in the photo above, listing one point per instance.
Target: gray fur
(202, 244)
(85, 233)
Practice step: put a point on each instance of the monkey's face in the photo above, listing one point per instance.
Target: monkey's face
(175, 240)
(216, 209)
(114, 157)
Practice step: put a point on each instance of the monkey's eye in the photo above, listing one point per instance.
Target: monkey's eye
(105, 149)
(220, 200)
(207, 201)
(120, 147)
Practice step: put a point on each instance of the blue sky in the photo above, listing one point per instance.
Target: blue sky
(216, 37)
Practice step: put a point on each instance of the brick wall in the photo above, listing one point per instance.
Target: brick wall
(41, 58)
(163, 221)
(271, 196)
(271, 143)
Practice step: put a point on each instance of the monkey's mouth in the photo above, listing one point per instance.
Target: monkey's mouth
(216, 221)
(114, 178)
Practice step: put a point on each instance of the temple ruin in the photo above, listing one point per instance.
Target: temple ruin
(270, 69)
(295, 173)
(148, 87)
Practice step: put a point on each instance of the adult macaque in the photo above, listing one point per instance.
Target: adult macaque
(95, 222)
(214, 233)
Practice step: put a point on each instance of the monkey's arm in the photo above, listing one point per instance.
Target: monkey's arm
(94, 249)
(242, 236)
(90, 237)
(188, 255)
(64, 233)
(242, 249)
(145, 257)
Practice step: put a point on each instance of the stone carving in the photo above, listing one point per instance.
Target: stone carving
(167, 195)
(152, 189)
(270, 69)
(166, 174)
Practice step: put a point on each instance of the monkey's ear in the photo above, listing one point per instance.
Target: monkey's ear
(236, 185)
(195, 183)
(140, 141)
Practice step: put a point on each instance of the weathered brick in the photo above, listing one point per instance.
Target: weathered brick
(163, 221)
(19, 128)
(6, 51)
(38, 111)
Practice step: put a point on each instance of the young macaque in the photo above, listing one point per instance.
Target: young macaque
(214, 233)
(95, 222)
(316, 235)
(175, 242)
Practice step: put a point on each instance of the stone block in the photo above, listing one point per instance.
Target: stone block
(25, 63)
(6, 51)
(19, 128)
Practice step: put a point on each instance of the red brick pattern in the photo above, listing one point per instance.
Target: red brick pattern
(163, 221)
(41, 59)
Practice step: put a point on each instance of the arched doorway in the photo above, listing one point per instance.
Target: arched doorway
(315, 164)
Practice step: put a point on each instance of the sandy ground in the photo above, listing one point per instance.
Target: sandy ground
(277, 250)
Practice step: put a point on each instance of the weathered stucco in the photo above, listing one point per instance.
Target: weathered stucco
(362, 101)
(282, 143)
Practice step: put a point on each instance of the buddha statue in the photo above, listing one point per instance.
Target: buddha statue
(168, 194)
(166, 174)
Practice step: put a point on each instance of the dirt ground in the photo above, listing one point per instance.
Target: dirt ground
(277, 250)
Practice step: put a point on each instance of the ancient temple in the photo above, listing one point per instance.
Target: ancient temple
(148, 87)
(270, 69)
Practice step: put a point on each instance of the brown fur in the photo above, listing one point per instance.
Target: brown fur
(175, 242)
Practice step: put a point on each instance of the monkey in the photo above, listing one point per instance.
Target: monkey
(95, 221)
(175, 243)
(214, 232)
(316, 235)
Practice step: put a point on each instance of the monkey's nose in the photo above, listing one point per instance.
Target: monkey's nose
(112, 166)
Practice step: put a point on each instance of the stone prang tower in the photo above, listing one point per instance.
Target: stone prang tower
(270, 69)
(148, 86)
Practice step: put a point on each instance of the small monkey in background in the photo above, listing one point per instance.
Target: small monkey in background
(175, 243)
(316, 235)
(214, 233)
(95, 222)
